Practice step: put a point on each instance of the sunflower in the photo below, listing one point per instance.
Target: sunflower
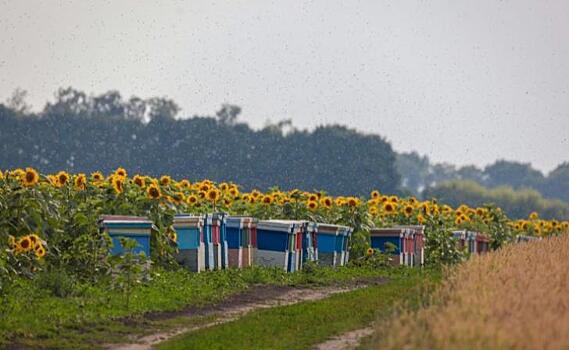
(458, 220)
(480, 211)
(340, 201)
(326, 202)
(192, 199)
(408, 210)
(25, 243)
(153, 191)
(312, 205)
(184, 184)
(313, 197)
(373, 210)
(173, 236)
(393, 199)
(413, 201)
(533, 216)
(420, 219)
(139, 181)
(375, 194)
(121, 172)
(62, 178)
(30, 177)
(267, 200)
(370, 251)
(213, 195)
(165, 180)
(233, 191)
(40, 252)
(118, 183)
(204, 187)
(1, 175)
(80, 181)
(202, 194)
(35, 239)
(97, 176)
(352, 202)
(389, 207)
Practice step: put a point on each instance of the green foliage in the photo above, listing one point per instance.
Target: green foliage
(129, 269)
(302, 325)
(35, 315)
(515, 203)
(328, 157)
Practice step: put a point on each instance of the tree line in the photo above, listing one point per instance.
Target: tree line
(82, 133)
(78, 132)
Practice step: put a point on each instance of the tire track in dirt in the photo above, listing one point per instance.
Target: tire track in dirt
(259, 297)
(347, 341)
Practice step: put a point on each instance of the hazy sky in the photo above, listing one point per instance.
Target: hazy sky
(461, 81)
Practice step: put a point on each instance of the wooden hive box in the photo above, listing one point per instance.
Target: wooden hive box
(133, 227)
(189, 229)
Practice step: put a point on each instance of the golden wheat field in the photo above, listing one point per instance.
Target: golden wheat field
(513, 298)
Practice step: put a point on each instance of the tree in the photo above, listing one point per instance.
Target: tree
(162, 108)
(228, 114)
(17, 101)
(514, 174)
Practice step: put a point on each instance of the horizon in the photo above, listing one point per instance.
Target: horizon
(464, 84)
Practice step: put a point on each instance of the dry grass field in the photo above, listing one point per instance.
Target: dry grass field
(514, 298)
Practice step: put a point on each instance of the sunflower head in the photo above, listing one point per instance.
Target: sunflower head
(121, 172)
(389, 207)
(375, 194)
(370, 251)
(352, 202)
(30, 177)
(62, 178)
(233, 191)
(25, 243)
(312, 205)
(40, 252)
(139, 180)
(118, 184)
(534, 215)
(420, 219)
(184, 184)
(373, 211)
(326, 202)
(173, 236)
(408, 210)
(80, 181)
(192, 199)
(266, 200)
(153, 191)
(165, 180)
(213, 195)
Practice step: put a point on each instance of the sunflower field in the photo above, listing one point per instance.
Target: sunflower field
(51, 220)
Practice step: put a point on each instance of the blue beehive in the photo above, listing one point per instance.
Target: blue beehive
(189, 229)
(133, 227)
(279, 243)
(333, 244)
(241, 234)
(402, 238)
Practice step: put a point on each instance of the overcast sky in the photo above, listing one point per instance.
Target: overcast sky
(461, 81)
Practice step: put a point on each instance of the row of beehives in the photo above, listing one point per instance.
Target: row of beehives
(217, 241)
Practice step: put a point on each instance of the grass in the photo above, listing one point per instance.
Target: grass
(33, 316)
(302, 325)
(514, 298)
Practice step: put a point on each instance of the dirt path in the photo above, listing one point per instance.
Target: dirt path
(346, 341)
(260, 297)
